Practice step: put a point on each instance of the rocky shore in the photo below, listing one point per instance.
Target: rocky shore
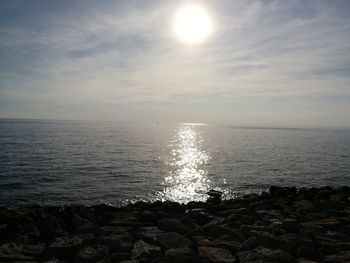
(282, 225)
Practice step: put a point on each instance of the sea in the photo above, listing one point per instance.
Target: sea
(44, 162)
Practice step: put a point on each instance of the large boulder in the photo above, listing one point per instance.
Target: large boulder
(173, 240)
(117, 243)
(144, 250)
(64, 248)
(180, 255)
(92, 254)
(215, 255)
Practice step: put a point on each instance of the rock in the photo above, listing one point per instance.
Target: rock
(117, 243)
(250, 257)
(277, 255)
(329, 223)
(282, 191)
(144, 250)
(54, 260)
(234, 234)
(30, 230)
(109, 230)
(250, 243)
(265, 239)
(180, 255)
(173, 240)
(172, 225)
(214, 193)
(88, 239)
(149, 234)
(341, 257)
(12, 252)
(215, 255)
(92, 254)
(304, 205)
(33, 250)
(307, 251)
(64, 248)
(200, 241)
(200, 216)
(290, 226)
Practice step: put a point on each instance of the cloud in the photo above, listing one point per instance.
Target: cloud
(127, 54)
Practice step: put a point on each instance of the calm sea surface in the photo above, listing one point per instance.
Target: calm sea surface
(61, 162)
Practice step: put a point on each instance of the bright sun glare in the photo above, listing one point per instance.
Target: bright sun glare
(193, 24)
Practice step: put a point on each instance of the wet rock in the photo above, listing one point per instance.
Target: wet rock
(265, 239)
(200, 241)
(304, 205)
(12, 252)
(64, 248)
(109, 230)
(250, 243)
(217, 255)
(172, 225)
(234, 234)
(290, 226)
(307, 251)
(92, 254)
(173, 240)
(250, 257)
(116, 243)
(33, 250)
(341, 257)
(214, 193)
(329, 223)
(277, 255)
(282, 191)
(199, 215)
(180, 255)
(30, 230)
(144, 250)
(149, 234)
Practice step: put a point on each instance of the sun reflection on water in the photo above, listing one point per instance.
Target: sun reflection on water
(187, 179)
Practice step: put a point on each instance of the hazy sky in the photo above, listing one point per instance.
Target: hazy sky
(267, 63)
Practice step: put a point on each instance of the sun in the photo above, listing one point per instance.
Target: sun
(193, 24)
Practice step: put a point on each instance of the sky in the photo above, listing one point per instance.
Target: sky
(266, 63)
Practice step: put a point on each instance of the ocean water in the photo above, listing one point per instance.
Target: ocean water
(67, 162)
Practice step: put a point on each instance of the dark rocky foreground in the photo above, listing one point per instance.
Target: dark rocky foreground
(284, 225)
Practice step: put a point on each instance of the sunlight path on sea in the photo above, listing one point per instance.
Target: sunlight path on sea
(187, 179)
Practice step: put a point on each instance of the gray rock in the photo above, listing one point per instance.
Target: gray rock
(149, 234)
(12, 252)
(33, 250)
(304, 205)
(341, 257)
(250, 257)
(172, 225)
(277, 255)
(265, 239)
(232, 246)
(307, 251)
(117, 243)
(92, 254)
(180, 255)
(64, 248)
(173, 240)
(291, 226)
(215, 255)
(144, 250)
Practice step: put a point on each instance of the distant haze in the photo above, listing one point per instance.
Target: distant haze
(266, 63)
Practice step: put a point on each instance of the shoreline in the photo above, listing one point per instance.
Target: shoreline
(281, 225)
